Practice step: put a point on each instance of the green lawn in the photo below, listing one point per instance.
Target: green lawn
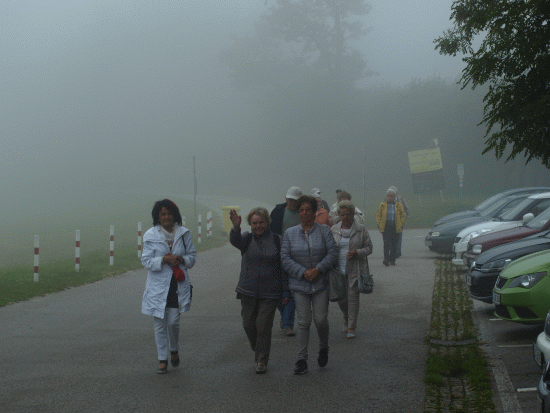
(57, 246)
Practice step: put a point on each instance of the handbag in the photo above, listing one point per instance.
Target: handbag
(365, 283)
(337, 285)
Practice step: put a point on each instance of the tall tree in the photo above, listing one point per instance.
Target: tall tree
(513, 59)
(300, 43)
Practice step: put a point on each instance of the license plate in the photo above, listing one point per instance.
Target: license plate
(496, 298)
(537, 355)
(469, 280)
(429, 243)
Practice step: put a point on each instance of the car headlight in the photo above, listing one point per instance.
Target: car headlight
(497, 265)
(527, 280)
(476, 249)
(435, 234)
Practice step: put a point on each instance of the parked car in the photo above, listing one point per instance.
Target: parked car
(441, 238)
(543, 391)
(538, 205)
(522, 290)
(488, 203)
(460, 245)
(484, 272)
(541, 348)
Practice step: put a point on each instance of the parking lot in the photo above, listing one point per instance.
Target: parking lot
(509, 347)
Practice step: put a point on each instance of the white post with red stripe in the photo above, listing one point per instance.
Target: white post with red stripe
(112, 246)
(209, 224)
(199, 228)
(36, 256)
(139, 239)
(77, 251)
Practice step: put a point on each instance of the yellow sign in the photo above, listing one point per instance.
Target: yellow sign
(425, 160)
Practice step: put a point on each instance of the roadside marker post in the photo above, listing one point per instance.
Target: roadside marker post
(112, 246)
(36, 256)
(77, 251)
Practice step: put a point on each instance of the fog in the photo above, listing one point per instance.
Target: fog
(105, 97)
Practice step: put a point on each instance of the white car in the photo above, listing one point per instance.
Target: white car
(460, 245)
(541, 348)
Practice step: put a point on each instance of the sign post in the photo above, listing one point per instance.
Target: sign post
(426, 170)
(460, 173)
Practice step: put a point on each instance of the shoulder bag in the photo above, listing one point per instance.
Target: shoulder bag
(365, 283)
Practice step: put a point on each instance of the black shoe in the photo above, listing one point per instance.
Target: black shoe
(301, 367)
(163, 367)
(392, 263)
(386, 263)
(323, 357)
(174, 358)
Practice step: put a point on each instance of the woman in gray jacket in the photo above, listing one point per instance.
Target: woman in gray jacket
(262, 282)
(308, 251)
(354, 244)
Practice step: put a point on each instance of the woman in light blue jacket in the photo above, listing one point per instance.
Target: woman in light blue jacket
(168, 253)
(308, 251)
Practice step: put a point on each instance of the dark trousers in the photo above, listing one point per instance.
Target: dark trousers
(390, 242)
(257, 315)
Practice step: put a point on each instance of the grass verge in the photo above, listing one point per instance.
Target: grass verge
(17, 281)
(457, 373)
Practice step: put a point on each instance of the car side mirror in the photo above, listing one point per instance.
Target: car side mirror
(528, 217)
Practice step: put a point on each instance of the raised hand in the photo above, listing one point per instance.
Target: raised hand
(235, 218)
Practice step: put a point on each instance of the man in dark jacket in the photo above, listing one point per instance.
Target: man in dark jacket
(284, 216)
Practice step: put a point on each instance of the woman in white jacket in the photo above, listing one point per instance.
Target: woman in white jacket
(168, 253)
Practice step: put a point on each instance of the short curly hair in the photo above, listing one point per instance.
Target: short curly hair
(170, 206)
(261, 212)
(344, 194)
(309, 199)
(345, 204)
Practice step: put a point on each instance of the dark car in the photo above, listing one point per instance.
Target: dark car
(485, 270)
(538, 205)
(441, 238)
(488, 203)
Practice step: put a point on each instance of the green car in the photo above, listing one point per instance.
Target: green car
(522, 290)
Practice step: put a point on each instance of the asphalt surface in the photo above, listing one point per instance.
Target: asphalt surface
(89, 349)
(509, 347)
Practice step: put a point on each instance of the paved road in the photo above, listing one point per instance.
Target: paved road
(509, 347)
(88, 349)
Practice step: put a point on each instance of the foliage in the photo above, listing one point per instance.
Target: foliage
(513, 58)
(299, 44)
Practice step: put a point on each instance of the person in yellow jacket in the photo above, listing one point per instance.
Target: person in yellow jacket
(390, 218)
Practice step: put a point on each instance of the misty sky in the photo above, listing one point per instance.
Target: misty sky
(102, 94)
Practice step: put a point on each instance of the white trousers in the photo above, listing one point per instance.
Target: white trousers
(167, 332)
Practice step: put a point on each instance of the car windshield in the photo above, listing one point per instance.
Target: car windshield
(500, 206)
(512, 213)
(540, 221)
(487, 203)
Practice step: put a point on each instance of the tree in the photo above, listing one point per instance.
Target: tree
(297, 45)
(513, 59)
